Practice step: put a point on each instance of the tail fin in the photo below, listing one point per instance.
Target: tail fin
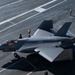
(63, 30)
(46, 25)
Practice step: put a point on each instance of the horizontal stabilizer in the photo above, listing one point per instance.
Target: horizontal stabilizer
(68, 43)
(63, 30)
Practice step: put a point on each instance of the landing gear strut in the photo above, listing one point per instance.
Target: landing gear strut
(17, 56)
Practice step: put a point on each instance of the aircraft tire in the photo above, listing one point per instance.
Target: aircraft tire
(16, 55)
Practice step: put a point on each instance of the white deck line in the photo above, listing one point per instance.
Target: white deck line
(19, 22)
(31, 65)
(10, 65)
(32, 16)
(40, 10)
(46, 4)
(19, 30)
(26, 12)
(12, 23)
(18, 62)
(11, 4)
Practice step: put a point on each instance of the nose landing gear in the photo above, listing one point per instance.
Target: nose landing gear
(17, 56)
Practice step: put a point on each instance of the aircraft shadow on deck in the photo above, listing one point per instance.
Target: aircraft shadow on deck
(57, 68)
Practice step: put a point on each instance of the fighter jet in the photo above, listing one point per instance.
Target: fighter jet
(45, 41)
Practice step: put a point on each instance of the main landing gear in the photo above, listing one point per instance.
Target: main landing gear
(17, 56)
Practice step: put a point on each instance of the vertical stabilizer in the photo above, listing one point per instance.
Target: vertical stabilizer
(63, 30)
(46, 25)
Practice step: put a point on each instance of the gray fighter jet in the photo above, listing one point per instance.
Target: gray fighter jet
(45, 41)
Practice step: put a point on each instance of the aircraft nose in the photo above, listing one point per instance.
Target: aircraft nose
(7, 48)
(3, 47)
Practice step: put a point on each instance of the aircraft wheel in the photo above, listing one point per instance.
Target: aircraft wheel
(16, 55)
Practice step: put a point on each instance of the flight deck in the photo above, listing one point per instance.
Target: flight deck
(16, 17)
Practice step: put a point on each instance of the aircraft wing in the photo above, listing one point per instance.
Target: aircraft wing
(42, 33)
(49, 53)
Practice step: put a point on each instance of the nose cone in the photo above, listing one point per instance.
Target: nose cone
(7, 48)
(3, 47)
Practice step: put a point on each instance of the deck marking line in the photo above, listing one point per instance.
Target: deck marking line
(31, 65)
(31, 16)
(11, 3)
(25, 12)
(10, 65)
(40, 10)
